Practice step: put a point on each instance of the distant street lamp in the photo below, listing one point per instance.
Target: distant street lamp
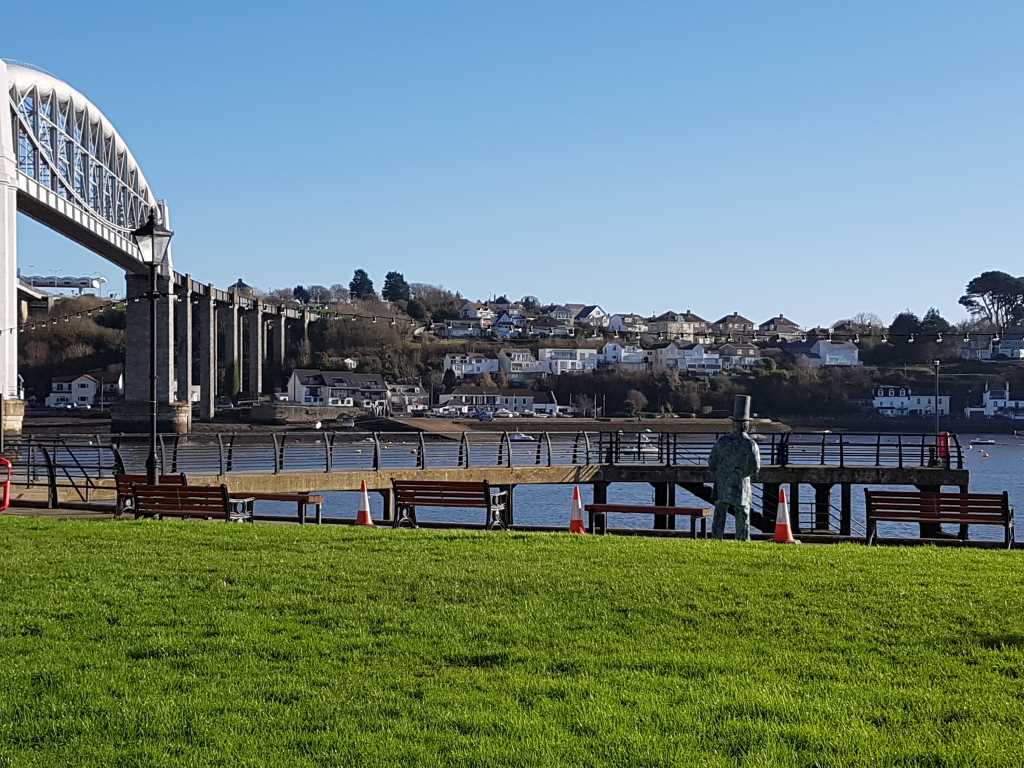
(153, 240)
(936, 363)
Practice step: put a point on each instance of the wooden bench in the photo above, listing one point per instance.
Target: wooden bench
(210, 502)
(124, 484)
(301, 500)
(598, 515)
(963, 509)
(410, 494)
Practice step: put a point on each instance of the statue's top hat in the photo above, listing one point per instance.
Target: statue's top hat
(741, 408)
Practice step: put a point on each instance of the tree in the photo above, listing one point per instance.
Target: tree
(361, 286)
(635, 402)
(934, 322)
(995, 297)
(320, 294)
(530, 304)
(416, 310)
(449, 380)
(339, 292)
(395, 287)
(300, 294)
(905, 324)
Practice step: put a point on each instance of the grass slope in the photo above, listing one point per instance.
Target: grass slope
(187, 644)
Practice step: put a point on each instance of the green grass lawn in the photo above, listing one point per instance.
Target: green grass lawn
(169, 643)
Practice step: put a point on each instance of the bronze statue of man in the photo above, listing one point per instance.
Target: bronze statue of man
(735, 461)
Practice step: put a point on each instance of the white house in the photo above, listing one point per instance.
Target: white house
(1011, 345)
(997, 405)
(519, 363)
(892, 400)
(624, 356)
(72, 390)
(561, 361)
(627, 324)
(495, 398)
(407, 398)
(464, 329)
(470, 365)
(823, 354)
(341, 388)
(695, 358)
(473, 310)
(593, 316)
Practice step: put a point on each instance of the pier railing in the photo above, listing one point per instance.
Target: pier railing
(76, 461)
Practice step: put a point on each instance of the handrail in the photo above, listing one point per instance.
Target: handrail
(344, 451)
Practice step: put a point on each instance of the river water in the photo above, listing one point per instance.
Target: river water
(993, 468)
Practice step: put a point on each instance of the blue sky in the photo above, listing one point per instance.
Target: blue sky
(817, 158)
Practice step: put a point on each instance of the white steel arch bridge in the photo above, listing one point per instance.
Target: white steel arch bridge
(64, 164)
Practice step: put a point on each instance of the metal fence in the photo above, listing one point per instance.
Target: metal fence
(76, 461)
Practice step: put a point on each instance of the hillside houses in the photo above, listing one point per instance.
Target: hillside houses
(734, 326)
(780, 327)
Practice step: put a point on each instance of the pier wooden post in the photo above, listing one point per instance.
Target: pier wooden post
(794, 507)
(930, 530)
(599, 523)
(661, 500)
(770, 502)
(388, 512)
(845, 510)
(510, 506)
(822, 504)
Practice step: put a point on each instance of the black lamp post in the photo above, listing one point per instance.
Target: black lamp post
(152, 238)
(936, 363)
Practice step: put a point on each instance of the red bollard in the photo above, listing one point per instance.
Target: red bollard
(943, 448)
(5, 501)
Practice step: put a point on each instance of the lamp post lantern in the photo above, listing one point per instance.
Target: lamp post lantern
(153, 239)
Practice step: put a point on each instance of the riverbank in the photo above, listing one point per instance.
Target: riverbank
(926, 425)
(281, 645)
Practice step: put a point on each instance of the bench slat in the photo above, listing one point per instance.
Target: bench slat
(648, 509)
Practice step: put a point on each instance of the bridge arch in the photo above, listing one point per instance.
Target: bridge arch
(64, 164)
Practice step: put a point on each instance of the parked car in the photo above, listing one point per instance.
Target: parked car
(484, 416)
(503, 413)
(519, 437)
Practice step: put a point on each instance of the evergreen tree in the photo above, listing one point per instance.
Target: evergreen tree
(395, 287)
(361, 286)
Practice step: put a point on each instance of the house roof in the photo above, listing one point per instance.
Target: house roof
(72, 377)
(588, 310)
(314, 377)
(735, 317)
(779, 323)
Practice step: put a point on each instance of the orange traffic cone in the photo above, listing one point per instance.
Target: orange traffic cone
(576, 516)
(783, 533)
(363, 515)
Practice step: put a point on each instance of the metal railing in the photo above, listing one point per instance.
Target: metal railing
(783, 449)
(77, 462)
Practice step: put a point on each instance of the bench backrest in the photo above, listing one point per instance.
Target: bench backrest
(426, 493)
(125, 482)
(982, 507)
(182, 500)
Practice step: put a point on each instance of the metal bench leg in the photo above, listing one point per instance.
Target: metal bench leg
(693, 527)
(405, 517)
(319, 514)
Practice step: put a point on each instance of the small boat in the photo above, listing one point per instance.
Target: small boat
(983, 441)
